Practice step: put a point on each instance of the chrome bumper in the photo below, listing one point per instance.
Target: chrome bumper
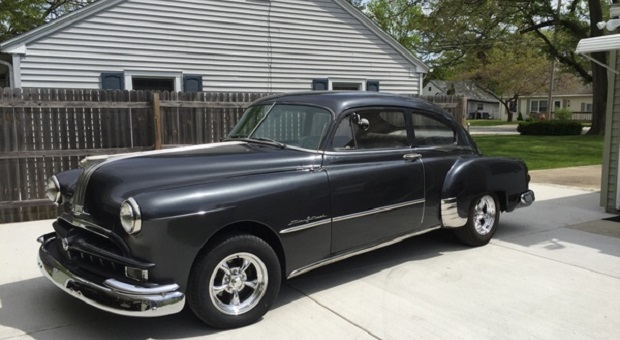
(113, 296)
(527, 198)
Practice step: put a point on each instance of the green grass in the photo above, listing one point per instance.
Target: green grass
(545, 152)
(489, 122)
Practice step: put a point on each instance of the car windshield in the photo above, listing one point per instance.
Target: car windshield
(293, 125)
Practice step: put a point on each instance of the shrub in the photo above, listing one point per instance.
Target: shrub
(563, 114)
(550, 128)
(520, 116)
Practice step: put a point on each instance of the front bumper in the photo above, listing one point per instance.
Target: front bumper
(110, 295)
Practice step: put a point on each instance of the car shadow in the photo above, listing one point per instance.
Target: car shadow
(549, 225)
(36, 308)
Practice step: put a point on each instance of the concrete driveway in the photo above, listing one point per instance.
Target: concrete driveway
(551, 272)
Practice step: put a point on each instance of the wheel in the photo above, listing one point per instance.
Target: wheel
(235, 283)
(482, 221)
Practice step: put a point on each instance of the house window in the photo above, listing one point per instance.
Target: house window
(480, 107)
(586, 107)
(326, 84)
(537, 105)
(557, 104)
(153, 84)
(345, 86)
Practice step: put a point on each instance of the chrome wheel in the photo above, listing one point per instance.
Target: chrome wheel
(238, 283)
(484, 215)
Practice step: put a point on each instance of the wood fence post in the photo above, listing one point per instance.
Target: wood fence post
(157, 123)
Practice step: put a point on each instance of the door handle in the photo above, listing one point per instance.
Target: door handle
(412, 157)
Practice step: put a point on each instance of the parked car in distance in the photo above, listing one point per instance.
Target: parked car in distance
(303, 180)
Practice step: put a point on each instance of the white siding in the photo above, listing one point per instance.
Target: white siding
(236, 45)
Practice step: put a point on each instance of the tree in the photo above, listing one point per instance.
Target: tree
(572, 23)
(456, 35)
(508, 72)
(20, 16)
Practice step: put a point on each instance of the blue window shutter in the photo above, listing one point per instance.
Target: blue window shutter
(113, 80)
(192, 83)
(372, 85)
(320, 84)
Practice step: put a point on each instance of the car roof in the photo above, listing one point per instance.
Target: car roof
(338, 101)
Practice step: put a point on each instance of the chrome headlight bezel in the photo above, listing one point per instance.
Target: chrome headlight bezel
(52, 190)
(131, 217)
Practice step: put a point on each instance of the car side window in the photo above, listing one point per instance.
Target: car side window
(372, 129)
(431, 132)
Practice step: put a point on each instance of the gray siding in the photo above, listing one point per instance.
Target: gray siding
(612, 136)
(237, 45)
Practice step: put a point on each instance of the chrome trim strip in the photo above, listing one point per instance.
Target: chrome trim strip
(378, 210)
(305, 226)
(340, 257)
(450, 215)
(115, 296)
(85, 224)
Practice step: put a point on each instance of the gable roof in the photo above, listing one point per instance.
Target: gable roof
(464, 88)
(18, 43)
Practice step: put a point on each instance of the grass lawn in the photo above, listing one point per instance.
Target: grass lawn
(545, 152)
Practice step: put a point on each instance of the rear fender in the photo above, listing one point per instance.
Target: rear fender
(469, 178)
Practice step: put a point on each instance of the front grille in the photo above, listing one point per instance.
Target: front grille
(95, 253)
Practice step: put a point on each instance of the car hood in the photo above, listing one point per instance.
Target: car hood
(118, 178)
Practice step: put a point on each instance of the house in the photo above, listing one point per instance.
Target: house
(610, 183)
(568, 92)
(213, 45)
(480, 105)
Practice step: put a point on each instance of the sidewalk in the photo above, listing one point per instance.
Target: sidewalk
(549, 273)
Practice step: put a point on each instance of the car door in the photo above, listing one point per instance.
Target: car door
(376, 179)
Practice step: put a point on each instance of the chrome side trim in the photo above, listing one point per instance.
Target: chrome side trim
(450, 214)
(378, 210)
(341, 257)
(114, 296)
(305, 226)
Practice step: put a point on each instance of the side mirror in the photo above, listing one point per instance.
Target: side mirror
(363, 123)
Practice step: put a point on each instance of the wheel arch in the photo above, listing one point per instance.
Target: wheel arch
(246, 227)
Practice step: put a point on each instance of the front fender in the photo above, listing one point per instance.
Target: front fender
(507, 178)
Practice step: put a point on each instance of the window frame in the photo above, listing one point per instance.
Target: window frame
(177, 77)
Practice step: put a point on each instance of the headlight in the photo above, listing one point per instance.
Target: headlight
(52, 190)
(131, 218)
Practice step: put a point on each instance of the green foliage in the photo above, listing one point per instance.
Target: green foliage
(399, 18)
(563, 114)
(520, 116)
(20, 16)
(550, 128)
(545, 152)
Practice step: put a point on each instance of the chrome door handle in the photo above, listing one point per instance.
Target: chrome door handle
(412, 156)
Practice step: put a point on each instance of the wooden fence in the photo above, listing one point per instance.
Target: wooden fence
(46, 131)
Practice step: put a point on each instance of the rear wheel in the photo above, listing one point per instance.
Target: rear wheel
(235, 283)
(482, 222)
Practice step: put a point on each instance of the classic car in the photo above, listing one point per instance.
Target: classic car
(303, 180)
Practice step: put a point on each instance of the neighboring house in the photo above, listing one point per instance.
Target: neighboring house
(480, 105)
(214, 45)
(569, 92)
(610, 183)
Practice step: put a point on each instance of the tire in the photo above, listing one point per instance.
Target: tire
(235, 283)
(482, 222)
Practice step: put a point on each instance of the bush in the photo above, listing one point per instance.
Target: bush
(550, 128)
(563, 114)
(520, 116)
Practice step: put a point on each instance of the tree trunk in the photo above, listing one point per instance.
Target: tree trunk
(599, 74)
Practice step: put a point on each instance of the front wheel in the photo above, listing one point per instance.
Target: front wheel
(482, 222)
(235, 283)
